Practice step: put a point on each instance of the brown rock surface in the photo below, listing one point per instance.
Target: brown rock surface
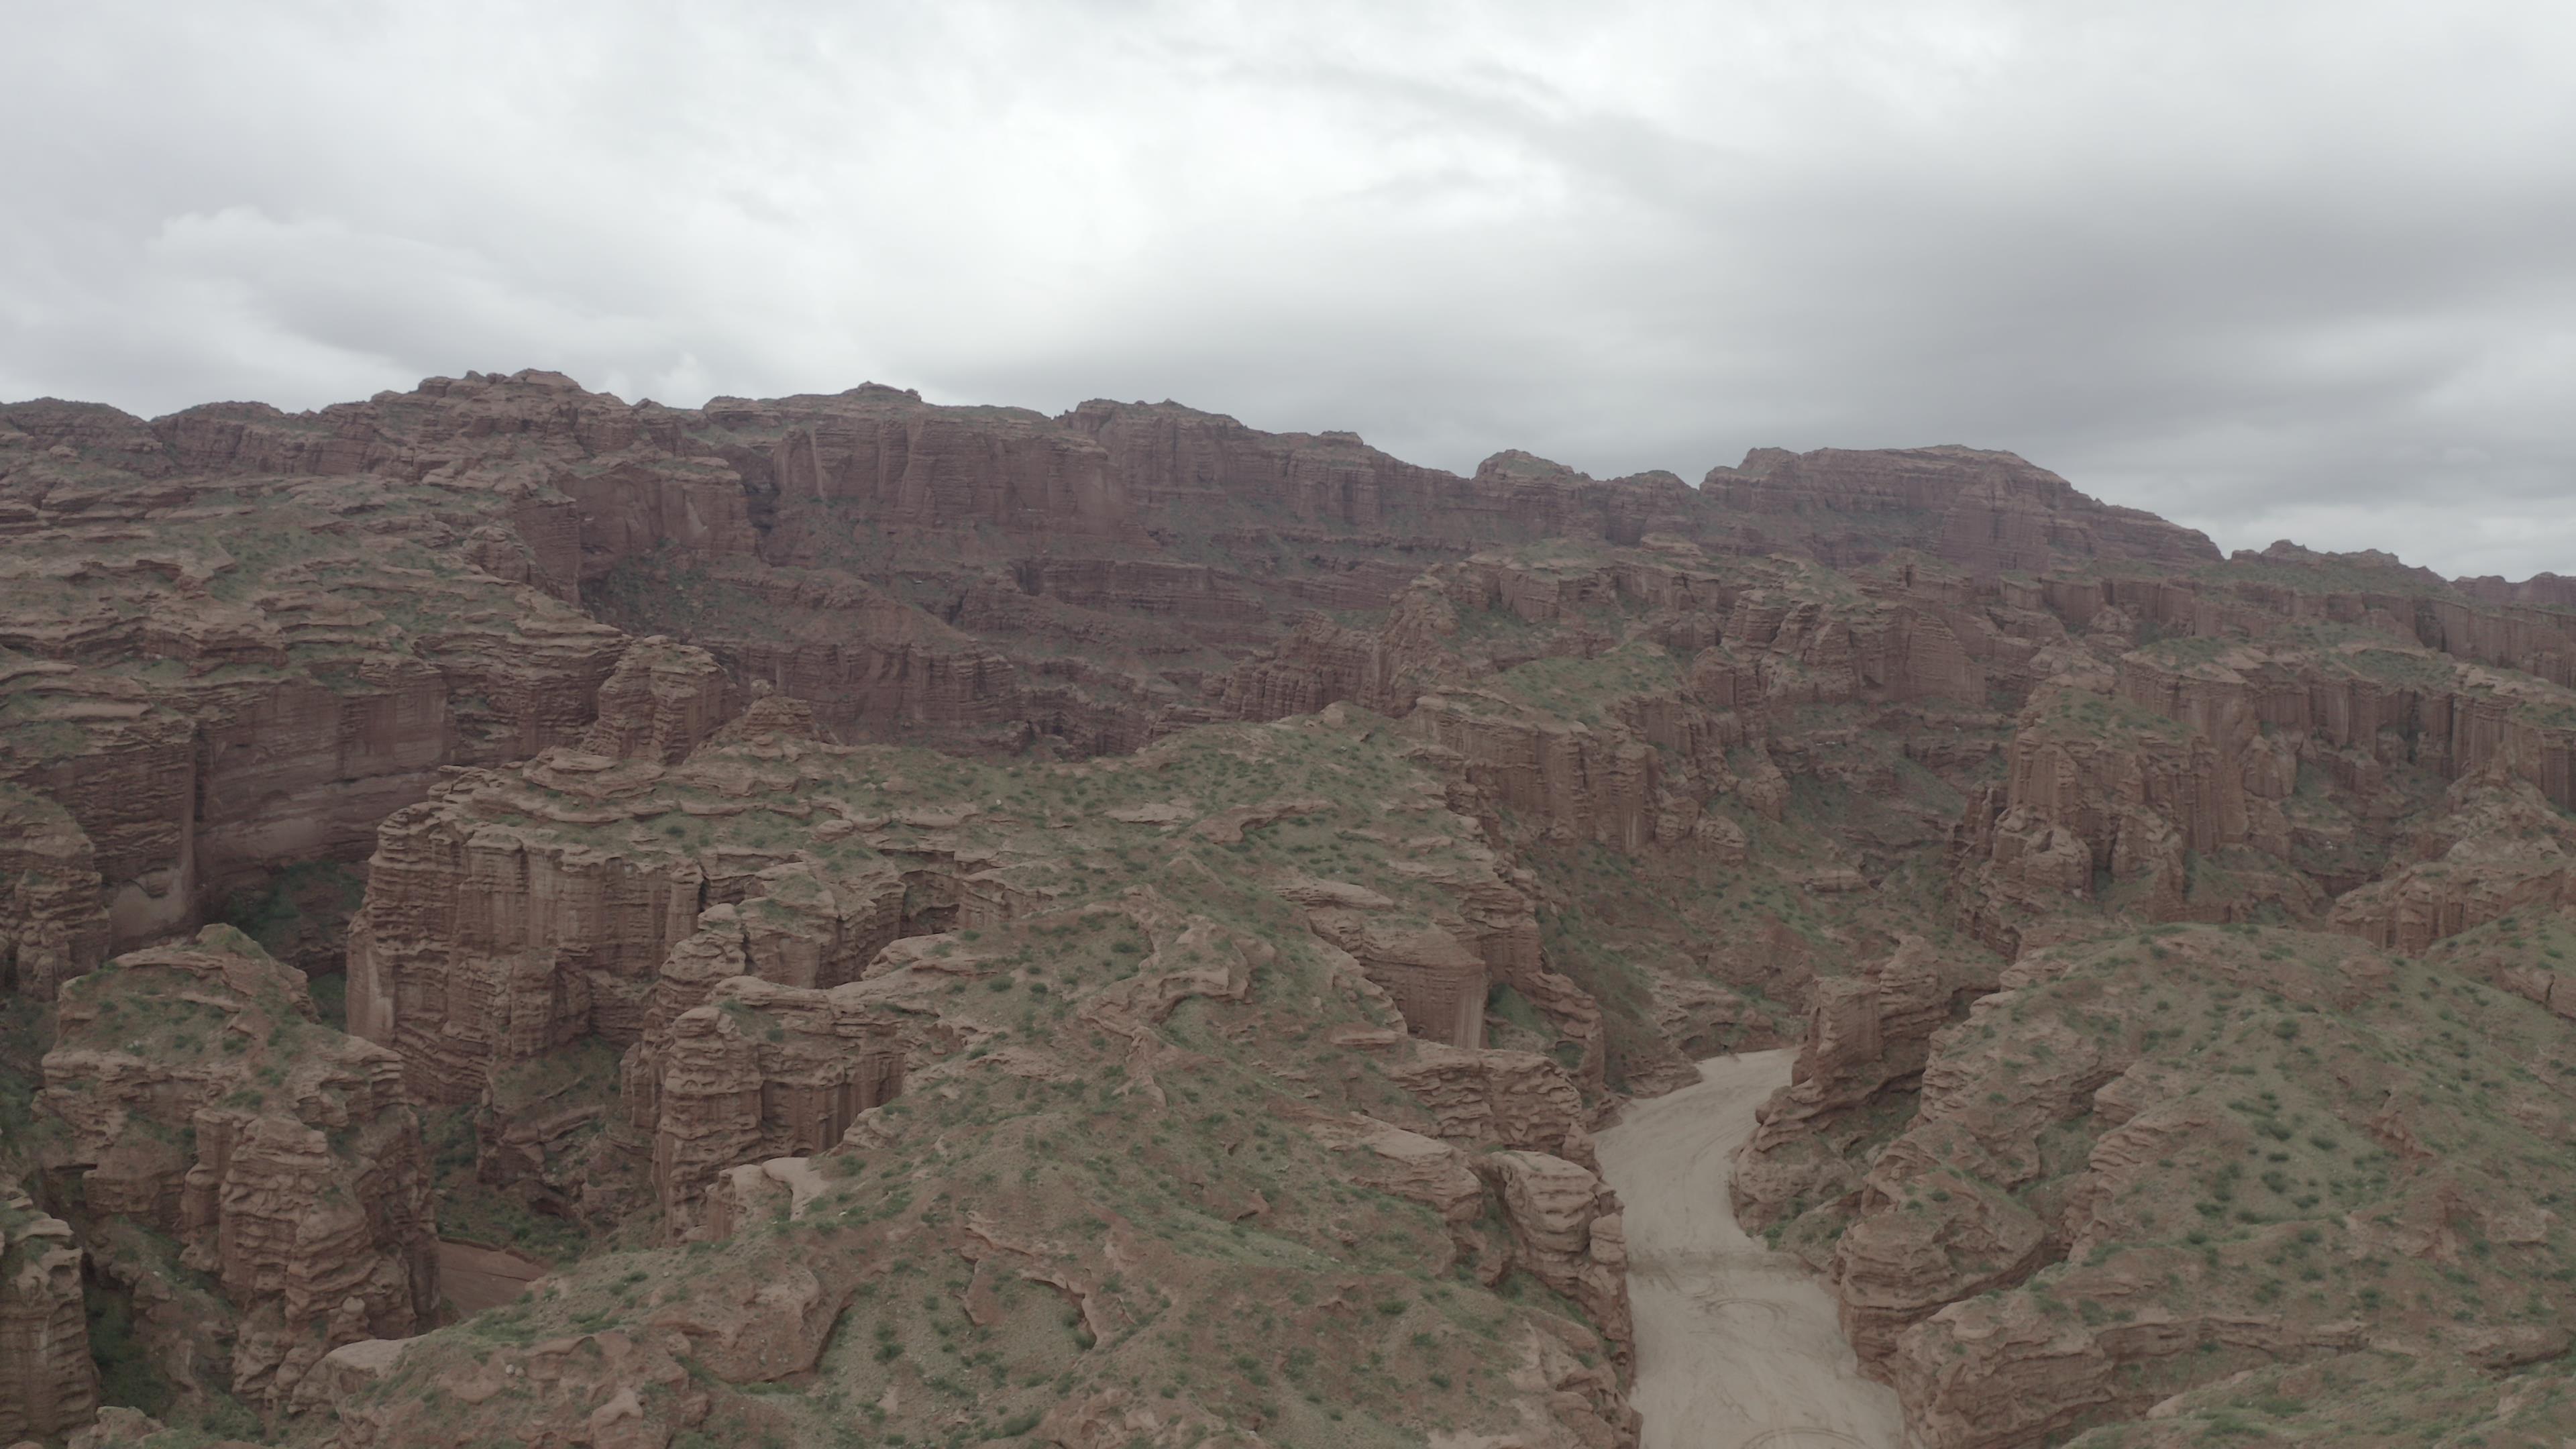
(219, 677)
(198, 1100)
(53, 924)
(47, 1382)
(758, 1071)
(1989, 511)
(1516, 1100)
(2096, 1206)
(507, 917)
(1104, 1087)
(661, 701)
(1561, 782)
(1866, 1035)
(1566, 1232)
(2495, 848)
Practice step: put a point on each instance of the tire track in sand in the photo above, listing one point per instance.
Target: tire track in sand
(1737, 1346)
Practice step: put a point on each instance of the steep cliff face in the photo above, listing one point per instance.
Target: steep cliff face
(53, 920)
(488, 937)
(218, 677)
(515, 913)
(1091, 570)
(1604, 695)
(758, 1072)
(1070, 579)
(1868, 1035)
(2269, 768)
(48, 1385)
(1989, 511)
(199, 1101)
(124, 771)
(1665, 706)
(662, 700)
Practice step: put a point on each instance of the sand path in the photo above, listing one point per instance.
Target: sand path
(1737, 1346)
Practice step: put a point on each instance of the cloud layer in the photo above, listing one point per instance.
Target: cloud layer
(2284, 270)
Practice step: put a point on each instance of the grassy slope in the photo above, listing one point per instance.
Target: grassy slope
(2354, 1139)
(1237, 1276)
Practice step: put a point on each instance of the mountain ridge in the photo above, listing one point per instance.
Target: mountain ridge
(929, 923)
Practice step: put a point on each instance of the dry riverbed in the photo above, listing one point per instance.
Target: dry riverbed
(1737, 1346)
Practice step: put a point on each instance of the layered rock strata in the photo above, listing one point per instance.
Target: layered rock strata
(1078, 1091)
(53, 923)
(48, 1384)
(1867, 1035)
(2107, 1202)
(1567, 773)
(198, 1100)
(662, 700)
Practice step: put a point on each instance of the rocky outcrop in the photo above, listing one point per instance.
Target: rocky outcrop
(123, 769)
(1417, 1168)
(1433, 979)
(1105, 1087)
(2111, 793)
(2496, 847)
(1866, 1034)
(1322, 663)
(53, 923)
(758, 1071)
(220, 677)
(2286, 760)
(1612, 696)
(1576, 782)
(1560, 1222)
(588, 1388)
(663, 700)
(2088, 1212)
(1516, 1100)
(2343, 653)
(1990, 512)
(499, 926)
(1894, 1269)
(47, 1382)
(479, 946)
(1174, 461)
(199, 1100)
(1566, 1232)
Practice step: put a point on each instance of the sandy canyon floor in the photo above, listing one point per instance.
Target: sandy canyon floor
(1737, 1346)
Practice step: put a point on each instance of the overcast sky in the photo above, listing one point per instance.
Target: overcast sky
(2273, 269)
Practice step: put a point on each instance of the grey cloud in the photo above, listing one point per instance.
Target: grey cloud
(2293, 269)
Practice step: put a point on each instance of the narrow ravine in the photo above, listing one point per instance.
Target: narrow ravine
(1737, 1346)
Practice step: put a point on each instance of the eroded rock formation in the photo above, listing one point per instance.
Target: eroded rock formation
(199, 1101)
(47, 1382)
(1365, 831)
(53, 924)
(788, 1062)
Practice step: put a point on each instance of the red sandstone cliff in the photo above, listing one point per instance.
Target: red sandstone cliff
(1989, 511)
(47, 1382)
(234, 639)
(199, 1101)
